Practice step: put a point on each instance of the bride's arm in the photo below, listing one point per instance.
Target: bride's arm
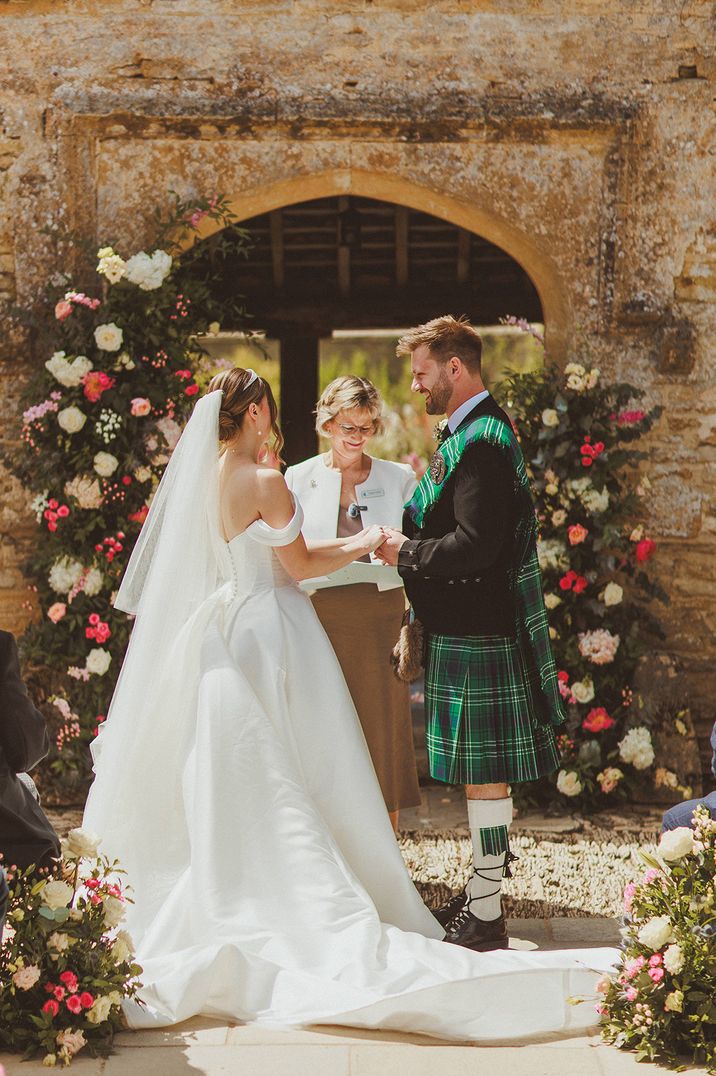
(300, 561)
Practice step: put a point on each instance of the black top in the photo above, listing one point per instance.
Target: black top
(455, 566)
(26, 835)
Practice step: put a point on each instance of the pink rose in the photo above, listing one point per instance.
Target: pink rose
(631, 993)
(655, 960)
(656, 974)
(74, 1004)
(141, 406)
(57, 611)
(629, 891)
(63, 309)
(576, 534)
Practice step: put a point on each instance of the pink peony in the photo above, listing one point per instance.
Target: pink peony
(656, 974)
(597, 720)
(141, 406)
(56, 612)
(63, 309)
(576, 534)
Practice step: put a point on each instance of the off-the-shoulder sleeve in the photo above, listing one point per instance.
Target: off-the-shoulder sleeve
(261, 532)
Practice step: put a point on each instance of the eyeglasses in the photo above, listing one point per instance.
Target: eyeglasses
(349, 431)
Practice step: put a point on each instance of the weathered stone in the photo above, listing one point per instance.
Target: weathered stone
(580, 138)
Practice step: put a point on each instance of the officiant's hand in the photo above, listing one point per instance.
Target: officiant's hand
(390, 548)
(371, 538)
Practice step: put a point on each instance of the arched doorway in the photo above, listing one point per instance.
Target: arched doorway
(356, 262)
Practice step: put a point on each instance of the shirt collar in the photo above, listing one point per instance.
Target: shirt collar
(465, 408)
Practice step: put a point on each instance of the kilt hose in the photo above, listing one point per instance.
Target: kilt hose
(480, 724)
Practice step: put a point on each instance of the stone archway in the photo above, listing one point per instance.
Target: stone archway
(312, 297)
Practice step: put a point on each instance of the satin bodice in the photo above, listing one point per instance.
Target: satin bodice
(253, 560)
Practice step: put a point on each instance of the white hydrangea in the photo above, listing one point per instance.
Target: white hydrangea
(71, 419)
(655, 932)
(98, 661)
(595, 501)
(148, 271)
(673, 959)
(68, 373)
(108, 337)
(552, 553)
(110, 265)
(568, 783)
(94, 581)
(637, 748)
(65, 574)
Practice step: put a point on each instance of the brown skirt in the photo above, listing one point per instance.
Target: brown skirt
(363, 624)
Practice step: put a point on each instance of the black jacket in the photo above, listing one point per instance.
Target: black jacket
(26, 835)
(455, 566)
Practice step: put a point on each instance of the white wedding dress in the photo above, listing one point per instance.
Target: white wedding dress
(267, 881)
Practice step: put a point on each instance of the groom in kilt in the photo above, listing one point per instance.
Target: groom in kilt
(468, 557)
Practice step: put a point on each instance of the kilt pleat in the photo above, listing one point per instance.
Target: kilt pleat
(481, 720)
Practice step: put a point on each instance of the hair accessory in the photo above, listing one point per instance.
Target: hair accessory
(254, 377)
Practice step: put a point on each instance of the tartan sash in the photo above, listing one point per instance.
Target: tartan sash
(524, 575)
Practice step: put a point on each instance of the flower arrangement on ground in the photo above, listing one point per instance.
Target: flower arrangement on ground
(661, 1001)
(65, 963)
(577, 433)
(119, 374)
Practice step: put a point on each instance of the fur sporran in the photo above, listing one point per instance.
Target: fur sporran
(408, 656)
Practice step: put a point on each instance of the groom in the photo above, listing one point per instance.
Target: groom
(469, 563)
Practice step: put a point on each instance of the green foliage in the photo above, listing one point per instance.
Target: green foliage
(661, 1000)
(579, 437)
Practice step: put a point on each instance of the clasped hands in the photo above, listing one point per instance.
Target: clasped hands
(385, 542)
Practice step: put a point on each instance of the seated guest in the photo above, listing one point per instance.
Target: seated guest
(682, 813)
(26, 836)
(342, 491)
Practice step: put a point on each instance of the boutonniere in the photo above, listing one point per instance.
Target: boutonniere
(441, 431)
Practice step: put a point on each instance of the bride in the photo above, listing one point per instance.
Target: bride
(233, 782)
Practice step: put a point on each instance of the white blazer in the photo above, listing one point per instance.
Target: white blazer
(318, 488)
(384, 492)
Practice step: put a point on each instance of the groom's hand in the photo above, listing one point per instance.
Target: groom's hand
(388, 551)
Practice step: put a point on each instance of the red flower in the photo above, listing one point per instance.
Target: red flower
(59, 992)
(567, 581)
(70, 980)
(63, 511)
(644, 550)
(580, 584)
(86, 999)
(93, 883)
(563, 676)
(139, 516)
(95, 383)
(63, 309)
(51, 1007)
(576, 533)
(93, 619)
(191, 390)
(53, 503)
(127, 480)
(74, 1004)
(185, 375)
(597, 720)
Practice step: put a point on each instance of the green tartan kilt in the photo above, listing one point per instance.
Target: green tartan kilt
(480, 719)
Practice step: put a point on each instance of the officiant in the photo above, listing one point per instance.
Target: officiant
(342, 491)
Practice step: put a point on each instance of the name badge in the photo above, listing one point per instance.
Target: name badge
(373, 493)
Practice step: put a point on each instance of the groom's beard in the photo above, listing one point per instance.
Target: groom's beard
(438, 397)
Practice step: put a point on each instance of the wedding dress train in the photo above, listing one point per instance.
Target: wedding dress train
(267, 881)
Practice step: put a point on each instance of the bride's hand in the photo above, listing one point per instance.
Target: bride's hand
(371, 538)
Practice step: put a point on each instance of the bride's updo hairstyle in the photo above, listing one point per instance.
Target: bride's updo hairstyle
(240, 389)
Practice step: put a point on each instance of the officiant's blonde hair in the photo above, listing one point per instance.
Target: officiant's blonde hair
(345, 393)
(445, 336)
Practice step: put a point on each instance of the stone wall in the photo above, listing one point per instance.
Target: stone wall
(580, 136)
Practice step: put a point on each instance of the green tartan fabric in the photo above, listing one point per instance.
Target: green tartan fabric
(494, 840)
(532, 628)
(479, 726)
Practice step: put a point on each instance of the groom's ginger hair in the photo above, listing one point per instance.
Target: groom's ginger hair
(445, 336)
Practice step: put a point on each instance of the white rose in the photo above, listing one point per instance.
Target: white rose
(58, 942)
(65, 573)
(71, 419)
(550, 417)
(568, 783)
(56, 894)
(612, 594)
(655, 932)
(147, 271)
(583, 690)
(552, 601)
(98, 661)
(25, 978)
(114, 911)
(93, 582)
(123, 947)
(673, 959)
(83, 842)
(105, 464)
(676, 843)
(108, 337)
(100, 1010)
